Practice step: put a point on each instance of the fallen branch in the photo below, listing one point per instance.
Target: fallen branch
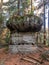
(29, 60)
(36, 60)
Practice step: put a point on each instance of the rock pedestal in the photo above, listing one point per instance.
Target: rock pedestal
(22, 42)
(25, 26)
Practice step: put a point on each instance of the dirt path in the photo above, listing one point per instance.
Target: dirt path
(15, 59)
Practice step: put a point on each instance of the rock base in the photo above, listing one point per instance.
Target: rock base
(22, 48)
(25, 38)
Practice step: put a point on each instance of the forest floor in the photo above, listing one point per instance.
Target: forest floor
(7, 58)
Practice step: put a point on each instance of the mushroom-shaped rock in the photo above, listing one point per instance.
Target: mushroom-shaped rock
(27, 23)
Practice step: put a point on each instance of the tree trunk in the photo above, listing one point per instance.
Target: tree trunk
(1, 3)
(18, 6)
(31, 6)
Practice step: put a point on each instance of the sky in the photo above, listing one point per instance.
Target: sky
(5, 0)
(46, 20)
